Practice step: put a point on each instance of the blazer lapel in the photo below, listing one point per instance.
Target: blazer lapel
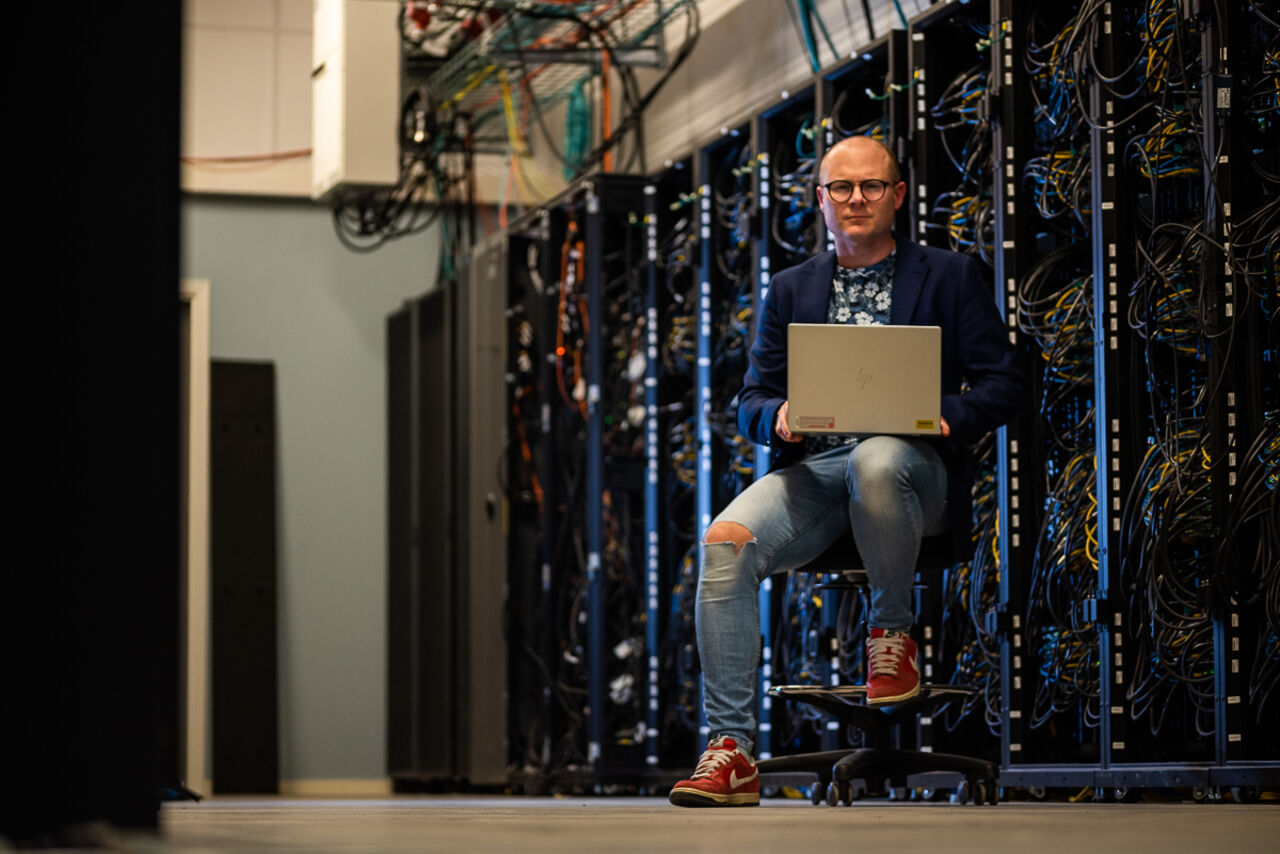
(908, 281)
(815, 289)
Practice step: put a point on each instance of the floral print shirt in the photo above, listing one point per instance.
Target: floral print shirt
(861, 296)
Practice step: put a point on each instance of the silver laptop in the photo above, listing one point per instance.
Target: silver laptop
(864, 379)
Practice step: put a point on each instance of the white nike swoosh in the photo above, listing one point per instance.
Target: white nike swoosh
(734, 782)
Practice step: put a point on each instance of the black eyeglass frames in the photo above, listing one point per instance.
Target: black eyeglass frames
(872, 189)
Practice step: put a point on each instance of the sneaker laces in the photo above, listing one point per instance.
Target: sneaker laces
(712, 760)
(885, 653)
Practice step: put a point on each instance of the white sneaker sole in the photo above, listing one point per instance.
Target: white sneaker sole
(683, 797)
(884, 701)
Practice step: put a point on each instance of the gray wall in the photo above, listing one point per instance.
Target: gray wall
(283, 289)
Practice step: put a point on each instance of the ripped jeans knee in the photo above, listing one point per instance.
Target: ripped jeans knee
(729, 533)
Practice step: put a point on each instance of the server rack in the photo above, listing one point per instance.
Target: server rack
(950, 173)
(672, 228)
(726, 172)
(447, 558)
(1043, 276)
(1246, 149)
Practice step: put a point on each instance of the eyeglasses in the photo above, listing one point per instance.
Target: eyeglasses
(841, 191)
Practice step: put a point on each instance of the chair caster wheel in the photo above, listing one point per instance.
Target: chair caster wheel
(841, 792)
(816, 792)
(1246, 794)
(962, 792)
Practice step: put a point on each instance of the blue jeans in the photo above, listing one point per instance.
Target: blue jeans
(890, 489)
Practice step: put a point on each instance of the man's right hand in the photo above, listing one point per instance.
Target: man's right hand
(780, 426)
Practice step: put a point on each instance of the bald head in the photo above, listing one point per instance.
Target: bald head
(862, 144)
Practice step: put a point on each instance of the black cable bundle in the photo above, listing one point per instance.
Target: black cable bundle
(733, 316)
(799, 656)
(970, 590)
(568, 548)
(966, 212)
(791, 181)
(1055, 309)
(623, 546)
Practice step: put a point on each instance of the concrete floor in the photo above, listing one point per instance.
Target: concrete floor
(626, 825)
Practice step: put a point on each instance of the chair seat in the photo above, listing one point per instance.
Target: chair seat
(857, 694)
(848, 703)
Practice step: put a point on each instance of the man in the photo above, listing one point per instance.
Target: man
(891, 490)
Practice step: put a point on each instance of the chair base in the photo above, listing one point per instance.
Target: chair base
(879, 764)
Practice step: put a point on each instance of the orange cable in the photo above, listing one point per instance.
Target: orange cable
(606, 109)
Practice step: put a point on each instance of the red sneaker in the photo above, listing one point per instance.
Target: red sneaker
(894, 673)
(725, 777)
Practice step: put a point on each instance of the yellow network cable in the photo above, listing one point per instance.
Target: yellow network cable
(475, 79)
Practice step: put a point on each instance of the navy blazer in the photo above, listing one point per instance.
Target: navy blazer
(931, 287)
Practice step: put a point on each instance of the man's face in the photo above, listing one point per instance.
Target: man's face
(858, 220)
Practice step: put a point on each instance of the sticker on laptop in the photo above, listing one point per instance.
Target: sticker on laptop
(926, 424)
(820, 422)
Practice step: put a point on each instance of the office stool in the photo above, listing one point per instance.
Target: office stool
(878, 762)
